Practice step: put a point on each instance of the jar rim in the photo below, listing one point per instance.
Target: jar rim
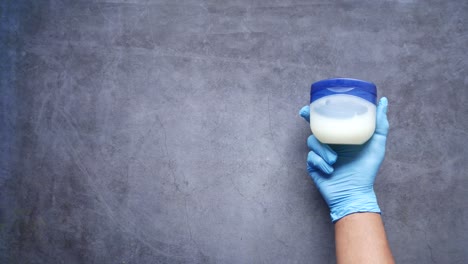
(344, 82)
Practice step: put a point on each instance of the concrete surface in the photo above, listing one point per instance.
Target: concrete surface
(167, 131)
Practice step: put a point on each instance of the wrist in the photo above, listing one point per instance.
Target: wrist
(357, 203)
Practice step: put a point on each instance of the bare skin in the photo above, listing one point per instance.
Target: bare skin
(360, 238)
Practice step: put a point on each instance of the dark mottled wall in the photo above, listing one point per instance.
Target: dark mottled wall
(167, 131)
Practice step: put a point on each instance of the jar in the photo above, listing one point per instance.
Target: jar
(343, 110)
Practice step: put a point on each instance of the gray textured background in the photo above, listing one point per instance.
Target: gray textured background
(167, 131)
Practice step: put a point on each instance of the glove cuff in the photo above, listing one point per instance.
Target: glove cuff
(360, 204)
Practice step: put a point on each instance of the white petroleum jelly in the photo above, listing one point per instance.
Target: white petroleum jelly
(342, 119)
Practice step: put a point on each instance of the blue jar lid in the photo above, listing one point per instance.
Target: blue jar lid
(362, 89)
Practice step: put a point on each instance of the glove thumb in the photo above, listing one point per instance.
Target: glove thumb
(382, 121)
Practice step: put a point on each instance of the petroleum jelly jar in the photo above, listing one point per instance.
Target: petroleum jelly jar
(342, 110)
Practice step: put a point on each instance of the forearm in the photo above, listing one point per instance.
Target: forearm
(360, 238)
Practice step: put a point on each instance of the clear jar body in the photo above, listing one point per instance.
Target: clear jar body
(342, 119)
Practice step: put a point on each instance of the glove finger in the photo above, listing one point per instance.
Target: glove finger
(323, 150)
(382, 121)
(316, 162)
(305, 113)
(315, 174)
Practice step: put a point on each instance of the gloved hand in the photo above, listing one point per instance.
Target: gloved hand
(345, 174)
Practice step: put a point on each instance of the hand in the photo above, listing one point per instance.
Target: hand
(345, 174)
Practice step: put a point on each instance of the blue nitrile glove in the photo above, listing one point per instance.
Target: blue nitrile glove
(345, 174)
